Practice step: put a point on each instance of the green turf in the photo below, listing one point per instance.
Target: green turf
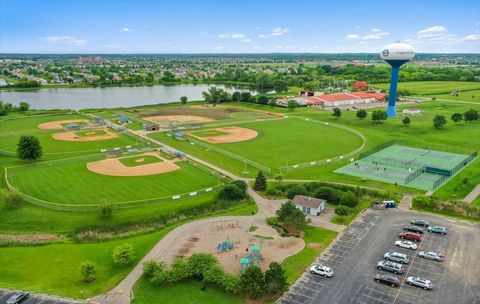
(90, 133)
(138, 160)
(188, 292)
(295, 265)
(433, 87)
(469, 96)
(208, 133)
(68, 181)
(31, 122)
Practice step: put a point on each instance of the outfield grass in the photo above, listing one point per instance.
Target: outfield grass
(90, 133)
(68, 181)
(208, 133)
(29, 123)
(295, 265)
(138, 160)
(188, 292)
(469, 96)
(433, 87)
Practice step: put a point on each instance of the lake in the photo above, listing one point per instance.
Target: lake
(108, 97)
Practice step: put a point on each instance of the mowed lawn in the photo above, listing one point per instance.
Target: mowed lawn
(286, 142)
(28, 123)
(8, 142)
(432, 87)
(68, 181)
(138, 160)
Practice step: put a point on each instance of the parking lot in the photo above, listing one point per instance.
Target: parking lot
(37, 299)
(355, 253)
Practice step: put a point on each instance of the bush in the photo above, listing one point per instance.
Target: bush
(275, 278)
(296, 190)
(231, 192)
(88, 272)
(342, 210)
(349, 199)
(123, 254)
(200, 263)
(179, 271)
(252, 282)
(150, 267)
(241, 185)
(12, 199)
(29, 148)
(160, 276)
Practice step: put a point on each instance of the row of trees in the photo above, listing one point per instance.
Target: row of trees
(471, 115)
(204, 267)
(216, 95)
(7, 107)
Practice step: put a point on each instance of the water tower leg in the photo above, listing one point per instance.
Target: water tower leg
(392, 97)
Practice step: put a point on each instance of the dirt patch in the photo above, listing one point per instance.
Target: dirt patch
(29, 239)
(206, 237)
(234, 134)
(114, 167)
(314, 246)
(72, 136)
(140, 160)
(166, 119)
(58, 124)
(216, 113)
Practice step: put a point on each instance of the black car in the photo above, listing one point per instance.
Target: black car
(413, 229)
(421, 223)
(18, 298)
(387, 280)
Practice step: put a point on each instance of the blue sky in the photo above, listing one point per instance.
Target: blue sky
(236, 26)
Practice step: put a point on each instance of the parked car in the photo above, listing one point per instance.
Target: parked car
(421, 223)
(437, 229)
(406, 244)
(415, 229)
(390, 266)
(396, 257)
(431, 255)
(322, 270)
(411, 236)
(18, 298)
(420, 282)
(387, 279)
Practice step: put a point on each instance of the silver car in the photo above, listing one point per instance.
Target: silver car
(431, 255)
(322, 270)
(390, 266)
(420, 282)
(396, 257)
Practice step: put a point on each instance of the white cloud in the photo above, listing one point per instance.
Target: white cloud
(472, 37)
(433, 29)
(352, 36)
(375, 30)
(246, 40)
(278, 31)
(219, 47)
(375, 34)
(65, 40)
(126, 30)
(241, 36)
(238, 36)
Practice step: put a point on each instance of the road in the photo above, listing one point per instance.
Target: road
(39, 299)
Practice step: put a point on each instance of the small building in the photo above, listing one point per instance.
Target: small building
(150, 127)
(72, 127)
(306, 93)
(123, 119)
(360, 85)
(309, 205)
(413, 112)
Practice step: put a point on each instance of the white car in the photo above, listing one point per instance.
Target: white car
(420, 282)
(406, 244)
(322, 270)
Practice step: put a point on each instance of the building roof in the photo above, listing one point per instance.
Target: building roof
(360, 84)
(308, 201)
(122, 117)
(344, 97)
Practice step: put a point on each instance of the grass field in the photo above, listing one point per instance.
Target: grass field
(433, 87)
(90, 133)
(68, 181)
(31, 122)
(138, 160)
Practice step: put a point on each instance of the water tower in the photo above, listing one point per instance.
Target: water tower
(395, 54)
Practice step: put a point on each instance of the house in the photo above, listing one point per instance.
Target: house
(343, 99)
(309, 205)
(122, 119)
(150, 127)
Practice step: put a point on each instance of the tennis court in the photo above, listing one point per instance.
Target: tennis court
(419, 168)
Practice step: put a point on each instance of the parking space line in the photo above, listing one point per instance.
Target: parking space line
(289, 300)
(377, 291)
(373, 298)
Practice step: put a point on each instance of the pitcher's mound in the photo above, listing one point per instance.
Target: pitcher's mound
(226, 135)
(115, 167)
(60, 124)
(84, 135)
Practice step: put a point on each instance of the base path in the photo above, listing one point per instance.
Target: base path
(473, 194)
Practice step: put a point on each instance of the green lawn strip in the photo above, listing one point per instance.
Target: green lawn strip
(138, 160)
(346, 220)
(27, 123)
(208, 133)
(432, 87)
(186, 292)
(90, 132)
(295, 265)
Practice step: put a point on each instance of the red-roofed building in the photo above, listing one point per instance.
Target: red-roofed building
(340, 99)
(360, 85)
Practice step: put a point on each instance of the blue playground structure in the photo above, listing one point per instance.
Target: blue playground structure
(253, 259)
(225, 245)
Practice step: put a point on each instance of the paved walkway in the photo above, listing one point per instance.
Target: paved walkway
(406, 202)
(473, 194)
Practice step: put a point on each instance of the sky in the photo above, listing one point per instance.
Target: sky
(237, 26)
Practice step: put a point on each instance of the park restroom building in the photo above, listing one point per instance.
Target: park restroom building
(309, 205)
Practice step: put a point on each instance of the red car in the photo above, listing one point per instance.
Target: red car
(411, 236)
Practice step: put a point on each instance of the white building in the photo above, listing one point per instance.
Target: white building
(309, 205)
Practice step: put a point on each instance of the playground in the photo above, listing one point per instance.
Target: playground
(421, 168)
(225, 135)
(89, 135)
(234, 246)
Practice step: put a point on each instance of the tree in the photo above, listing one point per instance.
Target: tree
(236, 96)
(23, 106)
(337, 112)
(215, 95)
(252, 282)
(246, 97)
(439, 121)
(242, 186)
(342, 210)
(456, 117)
(199, 263)
(406, 120)
(29, 148)
(292, 105)
(361, 114)
(296, 190)
(349, 199)
(291, 216)
(260, 182)
(272, 102)
(180, 270)
(150, 267)
(379, 115)
(262, 99)
(275, 278)
(123, 254)
(329, 194)
(471, 115)
(231, 193)
(88, 272)
(184, 100)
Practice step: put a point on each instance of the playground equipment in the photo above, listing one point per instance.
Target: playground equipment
(225, 245)
(253, 259)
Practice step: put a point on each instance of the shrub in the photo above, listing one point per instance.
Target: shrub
(342, 210)
(12, 199)
(179, 271)
(349, 199)
(200, 263)
(406, 120)
(123, 254)
(252, 282)
(275, 278)
(296, 190)
(160, 276)
(361, 114)
(241, 185)
(150, 267)
(231, 192)
(88, 272)
(29, 148)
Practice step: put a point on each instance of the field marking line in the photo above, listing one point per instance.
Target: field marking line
(376, 299)
(378, 291)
